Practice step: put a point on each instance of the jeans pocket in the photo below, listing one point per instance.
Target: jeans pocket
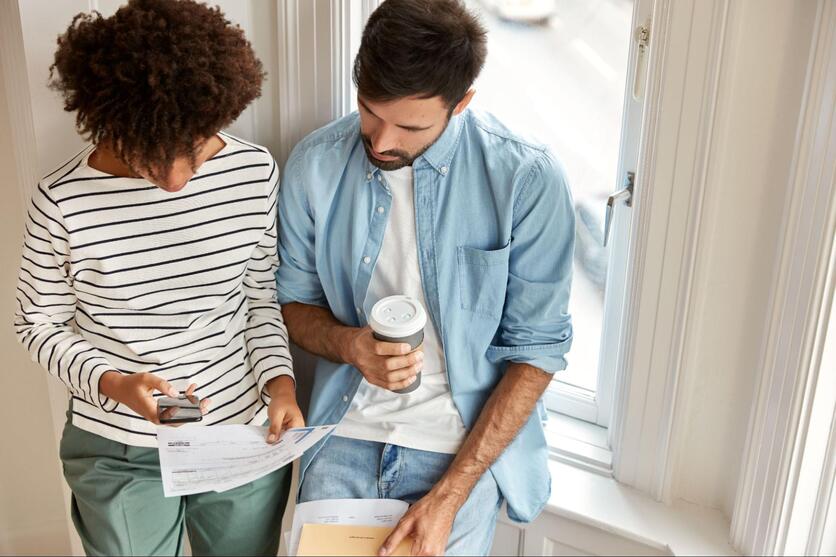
(483, 279)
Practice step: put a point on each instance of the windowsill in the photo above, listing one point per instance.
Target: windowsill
(584, 491)
(603, 503)
(579, 444)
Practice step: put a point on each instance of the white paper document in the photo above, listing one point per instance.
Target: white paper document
(217, 458)
(356, 512)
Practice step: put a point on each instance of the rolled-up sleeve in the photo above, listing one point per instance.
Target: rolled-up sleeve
(296, 278)
(536, 328)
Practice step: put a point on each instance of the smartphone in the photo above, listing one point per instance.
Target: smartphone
(180, 410)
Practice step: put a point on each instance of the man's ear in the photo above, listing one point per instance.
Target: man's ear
(464, 102)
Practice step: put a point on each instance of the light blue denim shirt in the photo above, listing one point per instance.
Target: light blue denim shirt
(495, 226)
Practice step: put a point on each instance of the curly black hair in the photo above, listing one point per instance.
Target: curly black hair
(156, 79)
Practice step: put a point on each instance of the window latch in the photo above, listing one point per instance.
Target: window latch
(642, 37)
(625, 194)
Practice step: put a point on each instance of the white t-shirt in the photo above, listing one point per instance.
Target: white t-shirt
(425, 419)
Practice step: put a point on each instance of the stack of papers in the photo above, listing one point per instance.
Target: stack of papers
(195, 459)
(360, 513)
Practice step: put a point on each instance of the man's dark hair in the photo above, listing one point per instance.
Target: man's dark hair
(155, 78)
(422, 48)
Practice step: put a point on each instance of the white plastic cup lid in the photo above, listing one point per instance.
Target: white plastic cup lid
(397, 316)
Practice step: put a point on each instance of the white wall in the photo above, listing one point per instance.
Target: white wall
(760, 95)
(32, 513)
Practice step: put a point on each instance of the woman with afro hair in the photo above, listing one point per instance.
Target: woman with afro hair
(148, 270)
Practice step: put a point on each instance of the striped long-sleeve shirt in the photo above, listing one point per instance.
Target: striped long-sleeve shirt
(117, 274)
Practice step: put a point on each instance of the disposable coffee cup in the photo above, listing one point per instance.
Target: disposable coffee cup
(400, 319)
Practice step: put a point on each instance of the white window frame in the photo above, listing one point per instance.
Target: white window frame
(597, 406)
(686, 54)
(309, 99)
(644, 346)
(786, 496)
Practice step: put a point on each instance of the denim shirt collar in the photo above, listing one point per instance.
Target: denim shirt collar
(440, 154)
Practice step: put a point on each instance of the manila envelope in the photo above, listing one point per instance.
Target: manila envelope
(339, 539)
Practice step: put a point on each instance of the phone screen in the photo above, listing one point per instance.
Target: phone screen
(179, 410)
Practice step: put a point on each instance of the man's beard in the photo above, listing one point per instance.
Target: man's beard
(404, 158)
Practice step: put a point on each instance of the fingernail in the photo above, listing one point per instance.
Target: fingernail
(420, 356)
(271, 438)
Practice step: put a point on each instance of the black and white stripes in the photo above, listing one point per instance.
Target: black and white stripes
(119, 274)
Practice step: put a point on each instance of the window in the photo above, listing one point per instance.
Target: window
(556, 70)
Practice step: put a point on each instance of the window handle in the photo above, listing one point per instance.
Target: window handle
(626, 194)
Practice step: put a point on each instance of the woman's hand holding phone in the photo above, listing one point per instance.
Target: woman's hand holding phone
(136, 391)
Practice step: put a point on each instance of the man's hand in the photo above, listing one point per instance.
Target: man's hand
(389, 365)
(428, 522)
(283, 412)
(136, 391)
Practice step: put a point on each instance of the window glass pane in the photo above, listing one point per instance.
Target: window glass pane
(556, 71)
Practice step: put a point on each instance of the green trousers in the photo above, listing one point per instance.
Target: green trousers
(118, 506)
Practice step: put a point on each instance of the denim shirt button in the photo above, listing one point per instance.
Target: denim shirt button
(345, 398)
(380, 210)
(443, 170)
(367, 260)
(369, 176)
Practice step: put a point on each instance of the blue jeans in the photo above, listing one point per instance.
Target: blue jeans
(354, 469)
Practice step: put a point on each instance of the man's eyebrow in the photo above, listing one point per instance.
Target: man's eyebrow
(402, 126)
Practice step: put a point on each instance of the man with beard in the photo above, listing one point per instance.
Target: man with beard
(418, 195)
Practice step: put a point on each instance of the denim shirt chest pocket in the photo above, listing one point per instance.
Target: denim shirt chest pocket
(483, 279)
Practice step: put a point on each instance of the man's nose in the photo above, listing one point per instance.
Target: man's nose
(384, 140)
